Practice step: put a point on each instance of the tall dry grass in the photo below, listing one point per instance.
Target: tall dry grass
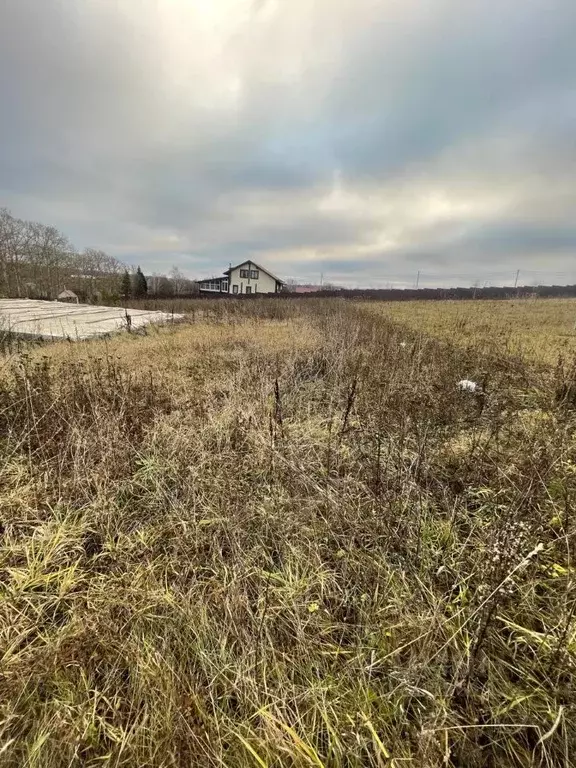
(285, 542)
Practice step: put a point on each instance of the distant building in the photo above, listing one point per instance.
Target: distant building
(31, 290)
(245, 279)
(68, 297)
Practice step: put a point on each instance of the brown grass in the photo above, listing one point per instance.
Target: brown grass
(539, 330)
(249, 541)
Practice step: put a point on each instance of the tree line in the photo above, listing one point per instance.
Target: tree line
(38, 261)
(443, 294)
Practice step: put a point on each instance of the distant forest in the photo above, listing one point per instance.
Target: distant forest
(443, 294)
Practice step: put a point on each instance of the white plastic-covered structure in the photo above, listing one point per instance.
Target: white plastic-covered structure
(52, 320)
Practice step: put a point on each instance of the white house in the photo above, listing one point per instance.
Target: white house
(246, 278)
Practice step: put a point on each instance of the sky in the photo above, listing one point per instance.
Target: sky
(374, 142)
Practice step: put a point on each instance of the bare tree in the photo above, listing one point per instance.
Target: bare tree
(160, 285)
(49, 258)
(14, 237)
(33, 257)
(39, 260)
(95, 273)
(178, 281)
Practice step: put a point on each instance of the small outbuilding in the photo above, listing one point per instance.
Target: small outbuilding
(68, 296)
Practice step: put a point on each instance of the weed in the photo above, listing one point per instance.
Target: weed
(279, 535)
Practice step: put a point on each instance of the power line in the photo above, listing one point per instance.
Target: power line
(519, 278)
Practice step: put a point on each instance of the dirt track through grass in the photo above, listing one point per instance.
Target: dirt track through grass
(251, 541)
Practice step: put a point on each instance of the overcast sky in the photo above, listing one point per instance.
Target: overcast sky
(365, 139)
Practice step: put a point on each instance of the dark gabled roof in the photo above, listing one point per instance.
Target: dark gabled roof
(212, 279)
(263, 269)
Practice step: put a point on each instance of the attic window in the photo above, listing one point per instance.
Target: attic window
(254, 274)
(244, 273)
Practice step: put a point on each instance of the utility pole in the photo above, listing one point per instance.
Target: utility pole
(417, 279)
(516, 278)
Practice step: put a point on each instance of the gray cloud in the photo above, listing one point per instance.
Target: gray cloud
(363, 140)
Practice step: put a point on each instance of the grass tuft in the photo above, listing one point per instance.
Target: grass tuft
(279, 535)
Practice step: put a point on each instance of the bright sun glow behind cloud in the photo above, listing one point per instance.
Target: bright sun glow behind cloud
(365, 139)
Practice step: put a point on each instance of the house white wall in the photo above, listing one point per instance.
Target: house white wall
(262, 284)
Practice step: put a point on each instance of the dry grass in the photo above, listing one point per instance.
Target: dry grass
(251, 541)
(539, 330)
(191, 353)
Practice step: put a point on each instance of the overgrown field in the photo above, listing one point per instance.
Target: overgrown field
(279, 535)
(540, 330)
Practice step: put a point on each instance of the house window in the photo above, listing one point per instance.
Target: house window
(224, 286)
(254, 274)
(212, 285)
(244, 273)
(234, 289)
(248, 289)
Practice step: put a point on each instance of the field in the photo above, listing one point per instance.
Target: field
(535, 329)
(277, 534)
